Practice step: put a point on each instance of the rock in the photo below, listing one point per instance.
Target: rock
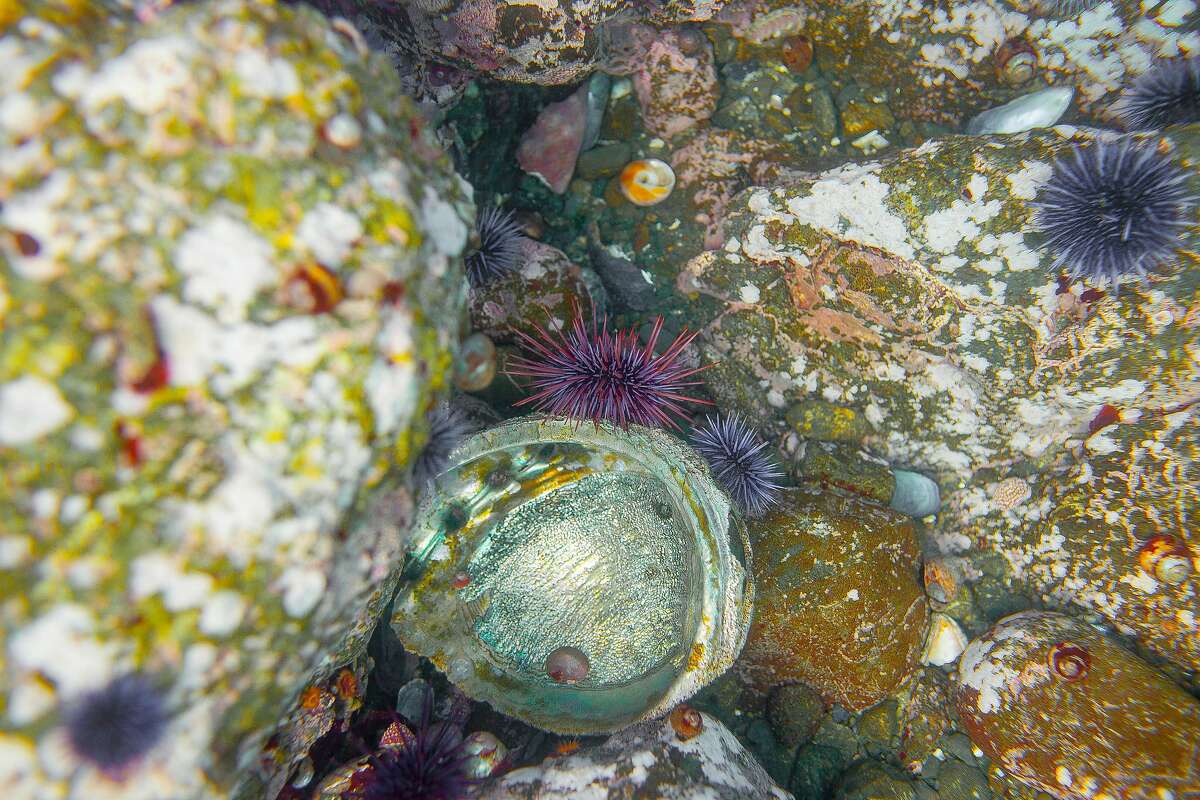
(673, 75)
(915, 494)
(1104, 546)
(711, 168)
(626, 285)
(838, 605)
(1037, 110)
(1132, 732)
(944, 66)
(604, 161)
(645, 760)
(957, 781)
(815, 419)
(815, 770)
(795, 712)
(540, 292)
(925, 716)
(548, 150)
(869, 780)
(866, 273)
(204, 319)
(860, 117)
(879, 724)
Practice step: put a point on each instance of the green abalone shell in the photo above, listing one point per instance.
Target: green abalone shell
(545, 534)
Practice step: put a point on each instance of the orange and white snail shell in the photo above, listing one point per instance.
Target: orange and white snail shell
(687, 722)
(1166, 558)
(647, 182)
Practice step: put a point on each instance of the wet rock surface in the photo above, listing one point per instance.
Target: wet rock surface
(838, 605)
(646, 760)
(1133, 732)
(225, 314)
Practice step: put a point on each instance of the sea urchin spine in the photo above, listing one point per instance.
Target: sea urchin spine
(115, 725)
(1166, 94)
(499, 247)
(1113, 209)
(740, 463)
(601, 375)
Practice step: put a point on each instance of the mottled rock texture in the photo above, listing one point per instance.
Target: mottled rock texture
(229, 278)
(1066, 710)
(646, 760)
(838, 606)
(943, 64)
(1059, 418)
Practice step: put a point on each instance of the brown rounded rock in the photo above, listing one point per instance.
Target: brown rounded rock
(838, 606)
(1064, 709)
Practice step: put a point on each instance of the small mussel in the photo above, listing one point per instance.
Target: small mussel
(579, 577)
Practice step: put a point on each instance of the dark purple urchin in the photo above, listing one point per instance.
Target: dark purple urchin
(1166, 94)
(1113, 209)
(601, 375)
(447, 427)
(740, 463)
(117, 724)
(430, 767)
(499, 247)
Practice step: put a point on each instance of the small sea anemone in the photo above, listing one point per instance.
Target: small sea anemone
(499, 247)
(740, 463)
(432, 766)
(447, 427)
(117, 724)
(601, 375)
(1113, 209)
(1166, 94)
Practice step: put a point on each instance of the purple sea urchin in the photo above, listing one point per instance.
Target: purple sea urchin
(1166, 94)
(740, 463)
(117, 724)
(499, 247)
(447, 427)
(1112, 209)
(603, 375)
(430, 767)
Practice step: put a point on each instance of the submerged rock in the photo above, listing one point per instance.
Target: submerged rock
(646, 760)
(578, 577)
(219, 386)
(838, 606)
(1036, 110)
(1067, 711)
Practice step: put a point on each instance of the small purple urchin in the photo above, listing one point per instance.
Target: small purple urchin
(603, 375)
(499, 247)
(1113, 209)
(432, 766)
(447, 427)
(117, 724)
(1166, 94)
(739, 461)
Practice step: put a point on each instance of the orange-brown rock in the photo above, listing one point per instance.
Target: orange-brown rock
(838, 605)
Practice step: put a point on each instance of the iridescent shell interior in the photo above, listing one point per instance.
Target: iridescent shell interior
(546, 533)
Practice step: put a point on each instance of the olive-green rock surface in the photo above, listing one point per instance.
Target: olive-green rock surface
(838, 604)
(229, 275)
